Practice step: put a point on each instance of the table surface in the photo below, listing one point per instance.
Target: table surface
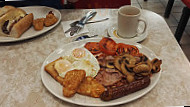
(20, 64)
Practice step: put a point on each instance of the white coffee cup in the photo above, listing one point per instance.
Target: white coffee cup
(128, 21)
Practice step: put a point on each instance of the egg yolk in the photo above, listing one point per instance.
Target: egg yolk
(78, 53)
(62, 66)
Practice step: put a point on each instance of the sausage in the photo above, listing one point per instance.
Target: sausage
(117, 92)
(4, 27)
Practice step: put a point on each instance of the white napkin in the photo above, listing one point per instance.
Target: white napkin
(66, 26)
(101, 14)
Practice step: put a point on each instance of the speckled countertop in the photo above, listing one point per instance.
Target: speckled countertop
(20, 64)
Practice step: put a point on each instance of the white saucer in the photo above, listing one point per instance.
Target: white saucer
(112, 31)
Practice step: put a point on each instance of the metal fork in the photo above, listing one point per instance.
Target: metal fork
(72, 30)
(74, 23)
(80, 25)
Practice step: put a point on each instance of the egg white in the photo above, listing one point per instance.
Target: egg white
(87, 62)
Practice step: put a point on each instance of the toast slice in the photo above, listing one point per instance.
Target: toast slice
(49, 68)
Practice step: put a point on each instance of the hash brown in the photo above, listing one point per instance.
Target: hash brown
(91, 87)
(38, 24)
(50, 19)
(71, 82)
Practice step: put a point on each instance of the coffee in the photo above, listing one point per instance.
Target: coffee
(128, 21)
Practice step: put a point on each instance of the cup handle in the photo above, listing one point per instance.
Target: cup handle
(144, 26)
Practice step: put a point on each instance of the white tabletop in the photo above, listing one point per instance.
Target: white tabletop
(20, 64)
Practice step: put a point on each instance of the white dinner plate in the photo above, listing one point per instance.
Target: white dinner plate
(38, 12)
(112, 31)
(56, 89)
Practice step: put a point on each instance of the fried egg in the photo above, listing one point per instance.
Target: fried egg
(62, 65)
(77, 58)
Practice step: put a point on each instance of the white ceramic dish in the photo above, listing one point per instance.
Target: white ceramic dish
(112, 31)
(38, 12)
(56, 89)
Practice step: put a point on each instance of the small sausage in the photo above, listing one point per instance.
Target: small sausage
(117, 92)
(4, 27)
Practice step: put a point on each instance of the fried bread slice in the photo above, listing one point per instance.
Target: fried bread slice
(72, 81)
(49, 68)
(91, 87)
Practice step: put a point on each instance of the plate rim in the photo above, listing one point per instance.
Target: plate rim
(114, 27)
(35, 35)
(107, 104)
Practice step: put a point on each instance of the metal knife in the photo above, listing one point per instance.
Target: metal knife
(81, 23)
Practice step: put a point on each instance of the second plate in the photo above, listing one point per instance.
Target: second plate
(38, 12)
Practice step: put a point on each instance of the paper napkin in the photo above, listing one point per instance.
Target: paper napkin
(66, 26)
(101, 14)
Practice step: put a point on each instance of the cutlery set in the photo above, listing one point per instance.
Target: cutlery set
(76, 26)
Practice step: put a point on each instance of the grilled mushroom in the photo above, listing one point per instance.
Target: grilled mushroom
(156, 65)
(130, 78)
(126, 72)
(141, 68)
(127, 64)
(110, 64)
(129, 59)
(145, 73)
(144, 58)
(117, 62)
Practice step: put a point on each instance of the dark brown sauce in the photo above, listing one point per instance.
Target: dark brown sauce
(4, 27)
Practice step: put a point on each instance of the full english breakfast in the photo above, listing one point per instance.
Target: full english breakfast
(109, 70)
(15, 21)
